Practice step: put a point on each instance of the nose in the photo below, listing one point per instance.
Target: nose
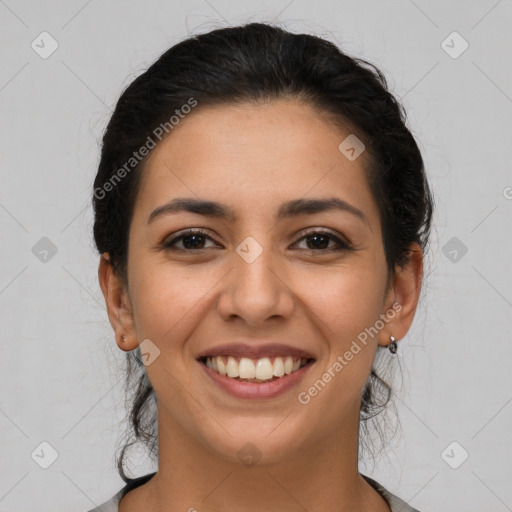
(255, 291)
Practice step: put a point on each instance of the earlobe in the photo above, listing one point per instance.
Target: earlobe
(405, 290)
(118, 304)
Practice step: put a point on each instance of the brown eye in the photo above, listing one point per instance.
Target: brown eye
(318, 241)
(192, 240)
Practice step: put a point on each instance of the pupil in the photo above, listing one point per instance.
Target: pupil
(321, 245)
(196, 237)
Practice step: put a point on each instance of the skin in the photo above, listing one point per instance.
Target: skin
(253, 157)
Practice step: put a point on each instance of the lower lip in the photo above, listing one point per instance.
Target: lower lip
(240, 389)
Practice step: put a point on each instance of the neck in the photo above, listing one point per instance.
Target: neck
(192, 477)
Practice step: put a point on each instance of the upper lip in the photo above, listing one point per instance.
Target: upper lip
(255, 351)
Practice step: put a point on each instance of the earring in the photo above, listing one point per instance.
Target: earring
(393, 347)
(123, 338)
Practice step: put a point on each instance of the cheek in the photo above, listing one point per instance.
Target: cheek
(345, 298)
(346, 301)
(345, 305)
(169, 301)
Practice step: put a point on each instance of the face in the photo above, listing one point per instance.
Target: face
(311, 279)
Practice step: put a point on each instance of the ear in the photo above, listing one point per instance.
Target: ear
(118, 304)
(402, 297)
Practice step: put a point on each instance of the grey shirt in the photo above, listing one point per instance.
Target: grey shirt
(394, 502)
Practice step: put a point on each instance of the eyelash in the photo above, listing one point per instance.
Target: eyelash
(341, 244)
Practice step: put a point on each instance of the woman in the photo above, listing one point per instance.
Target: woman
(262, 212)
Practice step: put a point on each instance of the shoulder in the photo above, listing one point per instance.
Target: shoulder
(111, 505)
(395, 503)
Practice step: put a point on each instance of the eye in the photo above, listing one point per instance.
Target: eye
(320, 242)
(192, 239)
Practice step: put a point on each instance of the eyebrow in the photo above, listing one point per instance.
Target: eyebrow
(289, 209)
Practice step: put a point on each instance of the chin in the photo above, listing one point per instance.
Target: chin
(258, 444)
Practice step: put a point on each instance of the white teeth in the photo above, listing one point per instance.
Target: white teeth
(231, 367)
(288, 365)
(221, 367)
(278, 367)
(262, 369)
(246, 369)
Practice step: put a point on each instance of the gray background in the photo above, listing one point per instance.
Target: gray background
(61, 372)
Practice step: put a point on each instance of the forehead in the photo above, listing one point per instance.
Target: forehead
(253, 155)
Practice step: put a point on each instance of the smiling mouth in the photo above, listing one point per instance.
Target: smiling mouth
(265, 369)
